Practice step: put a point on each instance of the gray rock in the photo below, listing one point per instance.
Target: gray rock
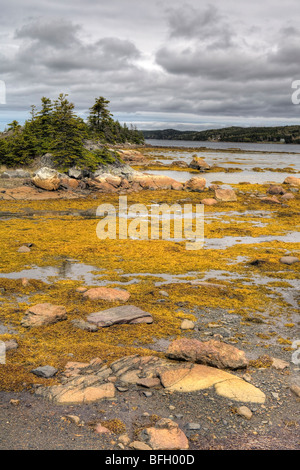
(19, 173)
(84, 325)
(119, 315)
(75, 173)
(11, 344)
(44, 371)
(193, 426)
(289, 260)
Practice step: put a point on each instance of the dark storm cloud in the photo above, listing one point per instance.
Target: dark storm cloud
(56, 33)
(206, 23)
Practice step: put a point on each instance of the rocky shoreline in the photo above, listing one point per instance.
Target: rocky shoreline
(205, 382)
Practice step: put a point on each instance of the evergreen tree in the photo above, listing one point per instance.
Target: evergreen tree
(100, 118)
(68, 134)
(56, 129)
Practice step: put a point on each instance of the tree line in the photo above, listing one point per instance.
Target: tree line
(283, 134)
(55, 128)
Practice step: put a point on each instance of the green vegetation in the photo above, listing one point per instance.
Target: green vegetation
(56, 129)
(287, 134)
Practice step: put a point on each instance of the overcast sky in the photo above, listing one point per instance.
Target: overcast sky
(161, 63)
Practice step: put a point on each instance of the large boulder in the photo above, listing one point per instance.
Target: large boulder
(113, 180)
(212, 353)
(153, 182)
(43, 314)
(47, 178)
(195, 184)
(276, 189)
(292, 181)
(69, 183)
(199, 164)
(225, 195)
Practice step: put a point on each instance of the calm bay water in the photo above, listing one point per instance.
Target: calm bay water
(252, 157)
(256, 147)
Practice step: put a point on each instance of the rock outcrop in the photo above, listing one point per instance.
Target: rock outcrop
(94, 381)
(212, 353)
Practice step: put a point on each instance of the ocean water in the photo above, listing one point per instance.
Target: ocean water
(252, 157)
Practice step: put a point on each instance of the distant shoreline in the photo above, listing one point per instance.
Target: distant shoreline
(250, 135)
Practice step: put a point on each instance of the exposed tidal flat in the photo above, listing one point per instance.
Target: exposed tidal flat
(236, 290)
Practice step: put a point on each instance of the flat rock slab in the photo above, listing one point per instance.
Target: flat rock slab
(106, 293)
(44, 371)
(29, 193)
(200, 377)
(120, 315)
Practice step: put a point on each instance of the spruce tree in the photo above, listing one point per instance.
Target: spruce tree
(68, 134)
